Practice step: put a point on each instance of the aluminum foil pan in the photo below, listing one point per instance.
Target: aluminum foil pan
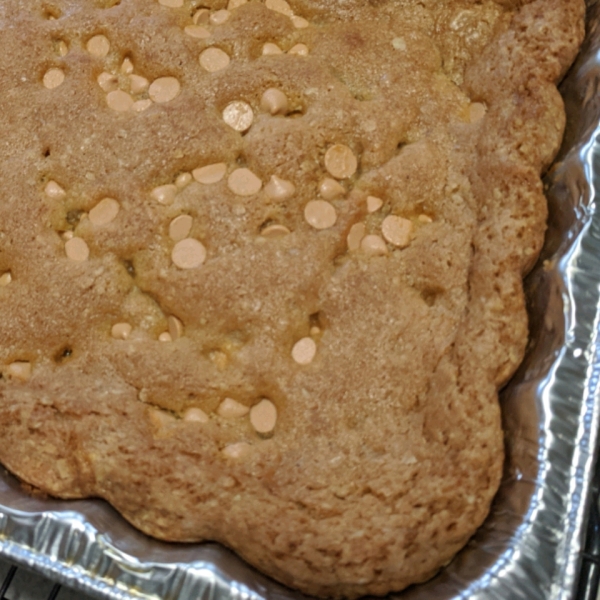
(530, 546)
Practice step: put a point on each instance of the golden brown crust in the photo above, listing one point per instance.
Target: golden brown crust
(387, 447)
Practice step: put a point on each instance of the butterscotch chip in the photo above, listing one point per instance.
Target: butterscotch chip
(236, 451)
(55, 191)
(214, 59)
(270, 49)
(164, 89)
(5, 279)
(165, 337)
(138, 84)
(202, 15)
(188, 254)
(98, 46)
(141, 105)
(219, 17)
(355, 236)
(19, 370)
(280, 6)
(231, 409)
(121, 331)
(397, 230)
(274, 231)
(164, 194)
(195, 415)
(210, 173)
(374, 245)
(330, 189)
(108, 82)
(320, 214)
(119, 101)
(476, 112)
(183, 180)
(104, 212)
(274, 101)
(238, 115)
(299, 49)
(263, 416)
(340, 161)
(175, 327)
(180, 227)
(197, 31)
(279, 189)
(299, 22)
(77, 249)
(243, 182)
(53, 78)
(374, 203)
(304, 351)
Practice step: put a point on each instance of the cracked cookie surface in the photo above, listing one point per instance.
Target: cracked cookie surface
(261, 264)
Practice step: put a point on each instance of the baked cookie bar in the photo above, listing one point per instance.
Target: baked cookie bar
(261, 265)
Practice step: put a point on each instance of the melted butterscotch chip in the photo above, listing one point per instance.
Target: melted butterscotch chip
(243, 182)
(5, 279)
(121, 331)
(263, 416)
(98, 46)
(210, 173)
(214, 59)
(53, 78)
(188, 254)
(238, 115)
(340, 161)
(164, 89)
(77, 249)
(320, 214)
(104, 212)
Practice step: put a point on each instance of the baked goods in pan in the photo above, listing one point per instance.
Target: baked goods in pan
(261, 263)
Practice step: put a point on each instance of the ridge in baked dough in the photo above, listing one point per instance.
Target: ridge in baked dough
(261, 266)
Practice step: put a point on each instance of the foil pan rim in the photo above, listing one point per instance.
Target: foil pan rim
(530, 547)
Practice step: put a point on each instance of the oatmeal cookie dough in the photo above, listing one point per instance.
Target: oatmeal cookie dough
(261, 266)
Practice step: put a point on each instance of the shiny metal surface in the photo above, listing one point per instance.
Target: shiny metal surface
(530, 546)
